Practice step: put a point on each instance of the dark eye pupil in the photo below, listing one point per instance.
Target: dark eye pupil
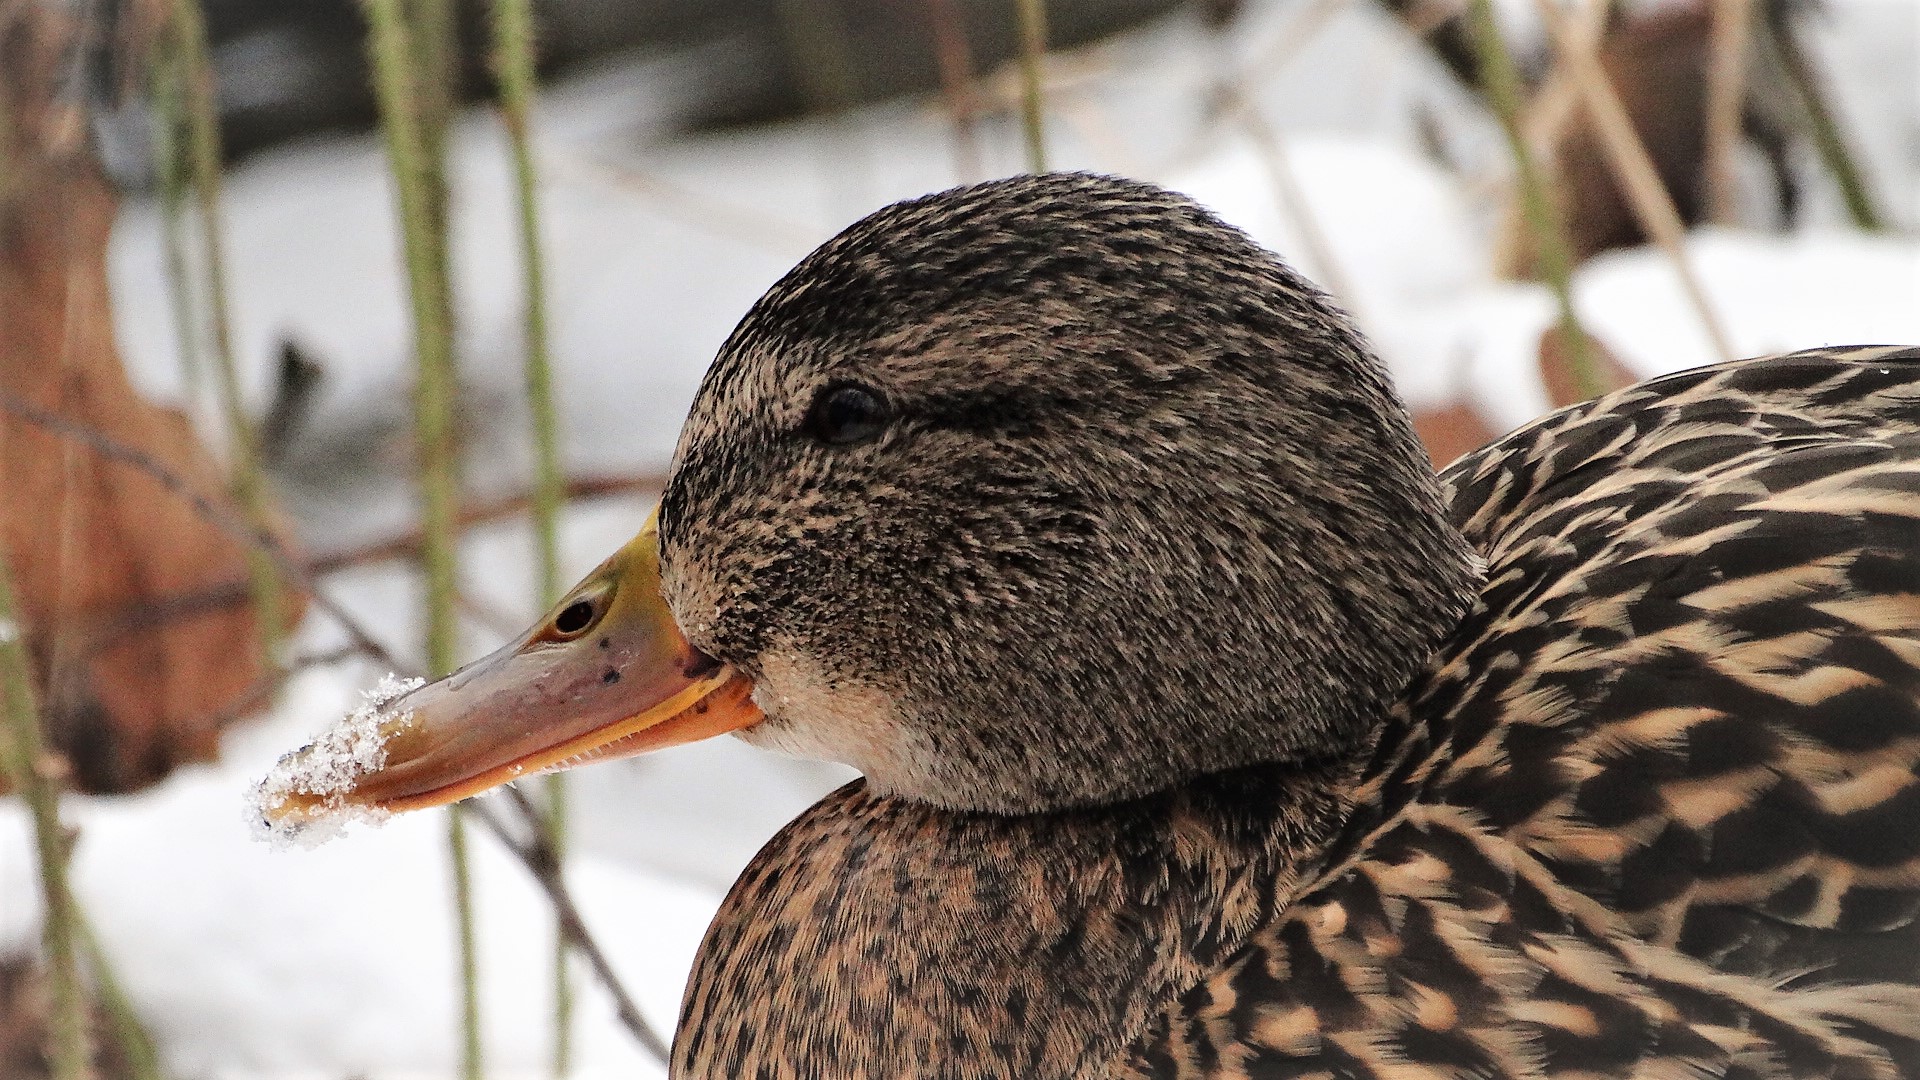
(574, 618)
(846, 414)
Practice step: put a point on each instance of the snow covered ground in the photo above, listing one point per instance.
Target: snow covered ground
(254, 962)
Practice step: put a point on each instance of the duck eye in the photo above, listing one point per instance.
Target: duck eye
(845, 414)
(574, 619)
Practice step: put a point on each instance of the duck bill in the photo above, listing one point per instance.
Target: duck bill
(607, 674)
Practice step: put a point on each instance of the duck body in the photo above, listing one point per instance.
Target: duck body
(1651, 810)
(1205, 731)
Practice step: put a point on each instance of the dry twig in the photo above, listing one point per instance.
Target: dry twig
(1632, 167)
(1501, 83)
(746, 224)
(538, 854)
(214, 512)
(1829, 139)
(1292, 198)
(1238, 93)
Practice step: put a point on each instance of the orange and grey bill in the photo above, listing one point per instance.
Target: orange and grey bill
(606, 674)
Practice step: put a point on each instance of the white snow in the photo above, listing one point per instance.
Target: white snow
(1771, 293)
(325, 770)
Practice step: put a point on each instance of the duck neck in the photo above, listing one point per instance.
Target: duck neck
(896, 939)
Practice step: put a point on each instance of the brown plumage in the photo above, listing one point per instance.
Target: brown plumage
(1653, 810)
(1208, 733)
(1116, 594)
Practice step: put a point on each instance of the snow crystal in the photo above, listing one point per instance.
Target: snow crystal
(302, 800)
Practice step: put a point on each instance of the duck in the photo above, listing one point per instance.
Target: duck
(1204, 730)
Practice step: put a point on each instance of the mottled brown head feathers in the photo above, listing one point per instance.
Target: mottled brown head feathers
(1108, 498)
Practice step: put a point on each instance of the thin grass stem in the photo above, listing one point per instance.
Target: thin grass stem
(35, 774)
(1727, 43)
(1500, 81)
(1829, 139)
(1631, 165)
(136, 1043)
(1033, 53)
(436, 55)
(174, 176)
(8, 166)
(816, 41)
(202, 151)
(513, 45)
(411, 55)
(472, 1048)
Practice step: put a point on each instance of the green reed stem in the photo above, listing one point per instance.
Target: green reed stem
(513, 44)
(175, 178)
(7, 164)
(32, 772)
(1500, 79)
(142, 1060)
(1829, 138)
(202, 153)
(816, 40)
(412, 60)
(1033, 50)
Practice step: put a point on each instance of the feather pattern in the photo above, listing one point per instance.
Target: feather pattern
(1654, 810)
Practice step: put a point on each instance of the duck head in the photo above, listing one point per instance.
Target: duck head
(1041, 493)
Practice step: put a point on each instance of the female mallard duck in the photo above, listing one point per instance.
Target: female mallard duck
(1206, 733)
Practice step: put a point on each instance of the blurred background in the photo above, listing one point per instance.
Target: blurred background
(259, 292)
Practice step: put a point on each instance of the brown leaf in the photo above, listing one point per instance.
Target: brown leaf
(89, 543)
(1451, 430)
(1658, 63)
(1564, 384)
(1656, 60)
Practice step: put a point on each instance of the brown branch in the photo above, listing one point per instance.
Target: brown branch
(407, 545)
(1238, 92)
(747, 224)
(492, 617)
(159, 610)
(1294, 205)
(539, 855)
(1442, 26)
